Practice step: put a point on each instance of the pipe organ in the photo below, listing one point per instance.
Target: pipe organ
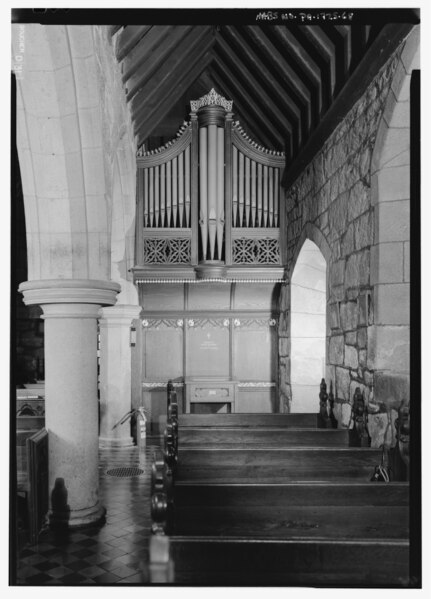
(209, 200)
(208, 265)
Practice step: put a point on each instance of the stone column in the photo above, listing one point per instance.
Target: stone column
(115, 373)
(70, 309)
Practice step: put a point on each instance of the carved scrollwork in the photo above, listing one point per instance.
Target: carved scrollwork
(159, 513)
(360, 420)
(255, 251)
(162, 323)
(208, 322)
(402, 426)
(255, 322)
(326, 417)
(212, 98)
(165, 250)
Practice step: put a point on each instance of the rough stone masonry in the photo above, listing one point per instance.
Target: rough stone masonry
(332, 198)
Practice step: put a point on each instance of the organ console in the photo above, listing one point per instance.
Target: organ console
(210, 198)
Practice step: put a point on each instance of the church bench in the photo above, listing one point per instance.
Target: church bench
(265, 436)
(245, 507)
(294, 562)
(247, 420)
(32, 478)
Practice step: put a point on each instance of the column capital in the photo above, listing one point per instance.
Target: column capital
(69, 291)
(121, 314)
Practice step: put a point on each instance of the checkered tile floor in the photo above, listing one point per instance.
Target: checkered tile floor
(114, 553)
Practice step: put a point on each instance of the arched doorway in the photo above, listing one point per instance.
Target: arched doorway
(308, 328)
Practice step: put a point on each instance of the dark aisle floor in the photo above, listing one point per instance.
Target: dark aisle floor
(114, 553)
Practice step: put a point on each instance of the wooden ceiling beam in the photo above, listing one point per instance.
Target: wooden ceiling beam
(340, 37)
(273, 134)
(279, 97)
(323, 60)
(157, 114)
(358, 43)
(128, 39)
(389, 39)
(261, 113)
(322, 45)
(301, 65)
(277, 63)
(262, 38)
(183, 68)
(251, 85)
(242, 112)
(150, 44)
(151, 62)
(114, 28)
(196, 43)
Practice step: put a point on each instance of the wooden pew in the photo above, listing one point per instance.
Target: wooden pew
(258, 500)
(32, 480)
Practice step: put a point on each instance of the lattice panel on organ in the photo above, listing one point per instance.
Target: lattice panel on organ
(167, 250)
(255, 251)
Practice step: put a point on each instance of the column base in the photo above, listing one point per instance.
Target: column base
(78, 518)
(112, 443)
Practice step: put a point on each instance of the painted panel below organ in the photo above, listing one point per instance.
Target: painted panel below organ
(208, 348)
(211, 334)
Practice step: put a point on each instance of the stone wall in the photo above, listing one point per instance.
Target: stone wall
(331, 204)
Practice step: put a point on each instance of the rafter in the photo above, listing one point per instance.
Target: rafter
(169, 75)
(155, 112)
(149, 62)
(253, 63)
(128, 38)
(251, 114)
(276, 69)
(251, 101)
(148, 45)
(252, 86)
(322, 58)
(301, 65)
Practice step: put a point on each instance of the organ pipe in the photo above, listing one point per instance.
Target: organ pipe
(235, 185)
(250, 182)
(181, 190)
(187, 184)
(174, 191)
(220, 190)
(203, 187)
(212, 187)
(247, 191)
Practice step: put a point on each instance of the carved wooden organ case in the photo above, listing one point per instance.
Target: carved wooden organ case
(208, 265)
(209, 201)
